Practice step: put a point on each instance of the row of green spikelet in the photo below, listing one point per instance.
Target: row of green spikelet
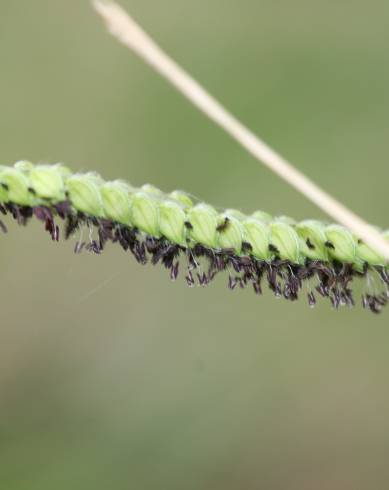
(177, 218)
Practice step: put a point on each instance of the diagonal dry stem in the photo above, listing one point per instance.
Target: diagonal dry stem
(125, 29)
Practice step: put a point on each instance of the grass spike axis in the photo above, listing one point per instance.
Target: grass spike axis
(163, 228)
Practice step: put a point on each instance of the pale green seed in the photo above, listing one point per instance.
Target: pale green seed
(286, 241)
(204, 221)
(144, 213)
(116, 201)
(172, 222)
(367, 254)
(313, 233)
(16, 184)
(230, 233)
(257, 234)
(341, 244)
(84, 195)
(47, 183)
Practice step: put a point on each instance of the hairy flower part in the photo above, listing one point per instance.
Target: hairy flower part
(291, 257)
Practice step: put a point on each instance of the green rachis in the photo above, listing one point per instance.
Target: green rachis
(164, 227)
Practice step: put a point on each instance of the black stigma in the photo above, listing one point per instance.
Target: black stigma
(310, 245)
(273, 248)
(4, 186)
(329, 244)
(246, 247)
(31, 191)
(188, 225)
(223, 226)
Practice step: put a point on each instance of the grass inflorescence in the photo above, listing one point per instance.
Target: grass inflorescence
(289, 256)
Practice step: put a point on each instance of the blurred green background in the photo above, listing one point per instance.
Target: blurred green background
(111, 376)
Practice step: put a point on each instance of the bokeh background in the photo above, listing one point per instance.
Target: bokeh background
(111, 376)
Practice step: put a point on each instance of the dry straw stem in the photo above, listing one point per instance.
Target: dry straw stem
(127, 31)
